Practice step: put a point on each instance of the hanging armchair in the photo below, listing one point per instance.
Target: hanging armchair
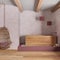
(4, 35)
(4, 38)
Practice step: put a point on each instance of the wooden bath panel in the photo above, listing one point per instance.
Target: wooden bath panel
(40, 40)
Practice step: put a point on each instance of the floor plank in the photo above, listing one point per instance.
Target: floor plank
(29, 55)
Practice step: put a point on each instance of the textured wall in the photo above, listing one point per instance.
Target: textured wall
(56, 18)
(6, 1)
(11, 22)
(29, 25)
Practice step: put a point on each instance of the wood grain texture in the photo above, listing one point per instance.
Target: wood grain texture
(18, 55)
(4, 38)
(40, 40)
(56, 7)
(38, 7)
(19, 5)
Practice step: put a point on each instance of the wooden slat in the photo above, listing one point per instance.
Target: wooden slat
(39, 4)
(56, 7)
(19, 5)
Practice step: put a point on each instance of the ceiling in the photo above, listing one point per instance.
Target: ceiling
(29, 4)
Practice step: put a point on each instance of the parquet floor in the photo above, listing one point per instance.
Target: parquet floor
(29, 55)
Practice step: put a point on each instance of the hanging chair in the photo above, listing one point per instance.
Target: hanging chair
(4, 36)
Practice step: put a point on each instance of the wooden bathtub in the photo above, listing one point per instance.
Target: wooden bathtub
(38, 40)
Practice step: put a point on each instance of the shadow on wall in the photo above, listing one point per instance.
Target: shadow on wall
(12, 1)
(48, 25)
(56, 18)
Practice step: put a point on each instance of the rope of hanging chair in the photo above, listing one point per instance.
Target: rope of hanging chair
(4, 12)
(4, 35)
(19, 24)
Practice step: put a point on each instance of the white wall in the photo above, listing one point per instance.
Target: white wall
(47, 30)
(11, 22)
(29, 25)
(1, 15)
(12, 15)
(56, 18)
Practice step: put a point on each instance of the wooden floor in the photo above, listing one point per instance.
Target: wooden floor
(17, 55)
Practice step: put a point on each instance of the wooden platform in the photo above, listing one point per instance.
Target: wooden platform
(18, 55)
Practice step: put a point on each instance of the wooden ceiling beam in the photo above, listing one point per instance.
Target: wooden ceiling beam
(19, 5)
(56, 7)
(39, 4)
